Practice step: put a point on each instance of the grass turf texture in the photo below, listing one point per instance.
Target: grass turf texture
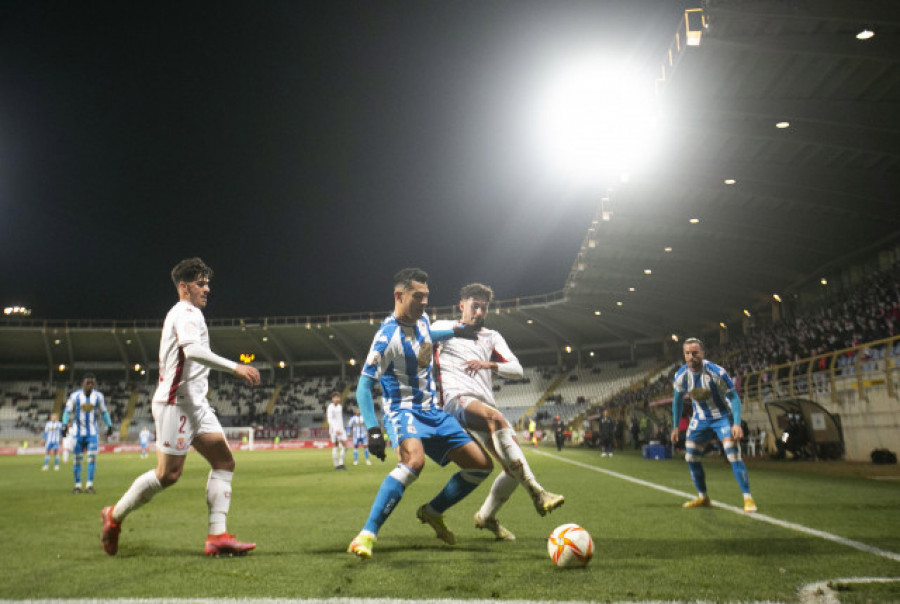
(302, 515)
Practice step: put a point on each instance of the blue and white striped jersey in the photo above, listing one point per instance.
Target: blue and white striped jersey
(401, 358)
(356, 428)
(52, 432)
(707, 390)
(84, 409)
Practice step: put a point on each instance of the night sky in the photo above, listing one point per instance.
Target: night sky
(305, 150)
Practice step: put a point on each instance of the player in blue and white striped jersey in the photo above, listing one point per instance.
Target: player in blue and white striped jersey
(716, 414)
(52, 430)
(356, 428)
(401, 358)
(84, 406)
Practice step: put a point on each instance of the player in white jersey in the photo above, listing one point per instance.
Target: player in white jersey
(716, 414)
(356, 428)
(83, 406)
(334, 413)
(465, 369)
(183, 416)
(144, 438)
(52, 430)
(401, 358)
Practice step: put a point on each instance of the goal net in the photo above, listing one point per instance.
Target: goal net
(239, 436)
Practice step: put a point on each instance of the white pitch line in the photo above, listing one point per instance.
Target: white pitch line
(864, 547)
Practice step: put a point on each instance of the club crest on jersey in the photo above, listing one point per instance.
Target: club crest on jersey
(700, 394)
(425, 353)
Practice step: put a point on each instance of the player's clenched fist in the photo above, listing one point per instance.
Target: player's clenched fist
(376, 443)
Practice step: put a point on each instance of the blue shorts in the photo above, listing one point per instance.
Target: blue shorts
(85, 443)
(703, 430)
(52, 447)
(439, 432)
(361, 442)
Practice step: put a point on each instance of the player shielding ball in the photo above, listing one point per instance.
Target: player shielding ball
(401, 358)
(183, 416)
(717, 414)
(465, 369)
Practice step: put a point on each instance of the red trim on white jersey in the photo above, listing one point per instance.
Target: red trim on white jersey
(177, 379)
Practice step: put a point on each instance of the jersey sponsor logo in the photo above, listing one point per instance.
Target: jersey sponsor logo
(700, 394)
(424, 357)
(87, 407)
(382, 338)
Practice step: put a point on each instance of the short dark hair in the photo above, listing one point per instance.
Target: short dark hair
(190, 269)
(405, 277)
(335, 393)
(476, 290)
(694, 341)
(88, 376)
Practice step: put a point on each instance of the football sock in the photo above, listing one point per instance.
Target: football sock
(388, 496)
(460, 484)
(513, 459)
(92, 467)
(740, 472)
(355, 455)
(76, 468)
(698, 476)
(218, 499)
(46, 461)
(341, 454)
(503, 487)
(140, 492)
(334, 456)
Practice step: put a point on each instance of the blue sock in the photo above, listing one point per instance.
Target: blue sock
(46, 461)
(386, 500)
(460, 484)
(698, 475)
(355, 455)
(740, 472)
(77, 469)
(92, 469)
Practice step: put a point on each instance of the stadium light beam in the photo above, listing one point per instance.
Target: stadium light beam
(597, 120)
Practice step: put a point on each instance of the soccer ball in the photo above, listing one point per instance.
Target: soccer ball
(570, 546)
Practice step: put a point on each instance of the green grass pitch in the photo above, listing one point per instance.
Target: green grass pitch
(302, 515)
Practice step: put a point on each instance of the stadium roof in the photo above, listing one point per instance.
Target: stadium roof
(807, 201)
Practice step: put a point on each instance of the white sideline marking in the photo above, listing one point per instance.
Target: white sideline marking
(864, 547)
(820, 592)
(330, 601)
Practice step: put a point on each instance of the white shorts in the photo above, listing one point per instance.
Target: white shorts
(338, 435)
(456, 407)
(177, 428)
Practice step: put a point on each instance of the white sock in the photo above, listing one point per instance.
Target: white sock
(513, 459)
(341, 454)
(218, 499)
(140, 492)
(334, 456)
(503, 487)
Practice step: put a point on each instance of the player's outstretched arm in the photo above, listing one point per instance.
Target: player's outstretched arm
(469, 331)
(248, 374)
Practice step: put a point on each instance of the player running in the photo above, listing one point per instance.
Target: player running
(335, 416)
(401, 357)
(356, 428)
(183, 416)
(144, 438)
(83, 405)
(51, 435)
(717, 414)
(465, 369)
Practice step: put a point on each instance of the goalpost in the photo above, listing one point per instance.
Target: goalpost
(243, 435)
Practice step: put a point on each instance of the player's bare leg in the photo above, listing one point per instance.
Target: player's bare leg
(214, 448)
(506, 449)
